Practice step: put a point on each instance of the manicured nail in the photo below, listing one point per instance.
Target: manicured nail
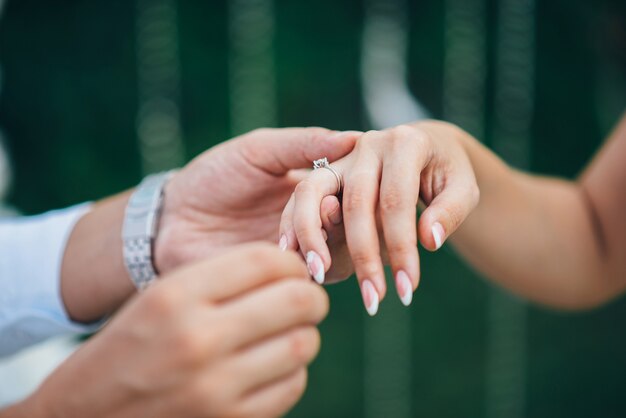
(316, 266)
(404, 287)
(282, 242)
(370, 297)
(438, 234)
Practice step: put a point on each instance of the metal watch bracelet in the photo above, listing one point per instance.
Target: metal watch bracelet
(140, 228)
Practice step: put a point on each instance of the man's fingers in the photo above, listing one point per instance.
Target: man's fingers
(276, 151)
(271, 310)
(446, 213)
(275, 399)
(240, 270)
(274, 358)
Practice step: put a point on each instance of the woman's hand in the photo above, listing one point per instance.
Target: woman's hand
(383, 179)
(230, 336)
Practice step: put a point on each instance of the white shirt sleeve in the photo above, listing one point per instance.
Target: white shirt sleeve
(31, 252)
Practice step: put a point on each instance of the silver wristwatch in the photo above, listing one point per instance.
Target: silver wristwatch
(140, 228)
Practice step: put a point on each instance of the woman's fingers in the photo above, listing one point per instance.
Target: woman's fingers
(447, 211)
(360, 197)
(307, 222)
(399, 194)
(274, 358)
(332, 222)
(287, 239)
(275, 399)
(330, 210)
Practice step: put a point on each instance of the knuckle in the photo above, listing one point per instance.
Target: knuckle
(264, 255)
(420, 137)
(402, 132)
(306, 186)
(189, 347)
(363, 258)
(392, 201)
(308, 301)
(307, 231)
(317, 133)
(367, 138)
(353, 199)
(301, 298)
(399, 248)
(453, 213)
(371, 133)
(304, 345)
(162, 301)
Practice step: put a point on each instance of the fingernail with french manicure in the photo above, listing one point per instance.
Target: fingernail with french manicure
(316, 266)
(282, 243)
(404, 287)
(438, 234)
(370, 297)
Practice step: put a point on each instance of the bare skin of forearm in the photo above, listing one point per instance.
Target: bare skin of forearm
(25, 409)
(94, 281)
(553, 241)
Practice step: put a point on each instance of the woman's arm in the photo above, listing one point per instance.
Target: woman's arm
(556, 242)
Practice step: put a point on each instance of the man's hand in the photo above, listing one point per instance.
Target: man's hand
(230, 336)
(235, 192)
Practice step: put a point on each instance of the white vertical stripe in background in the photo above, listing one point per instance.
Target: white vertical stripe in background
(384, 50)
(388, 101)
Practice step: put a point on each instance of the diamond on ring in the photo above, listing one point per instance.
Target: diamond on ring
(323, 163)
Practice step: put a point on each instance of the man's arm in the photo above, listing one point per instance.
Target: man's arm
(556, 242)
(94, 281)
(228, 195)
(229, 336)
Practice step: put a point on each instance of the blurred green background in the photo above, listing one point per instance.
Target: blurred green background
(68, 110)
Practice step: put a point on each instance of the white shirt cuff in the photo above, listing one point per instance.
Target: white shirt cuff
(31, 253)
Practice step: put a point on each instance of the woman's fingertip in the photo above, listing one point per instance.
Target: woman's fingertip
(438, 234)
(282, 242)
(316, 266)
(404, 287)
(370, 297)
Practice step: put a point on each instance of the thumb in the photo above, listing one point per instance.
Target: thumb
(277, 151)
(445, 214)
